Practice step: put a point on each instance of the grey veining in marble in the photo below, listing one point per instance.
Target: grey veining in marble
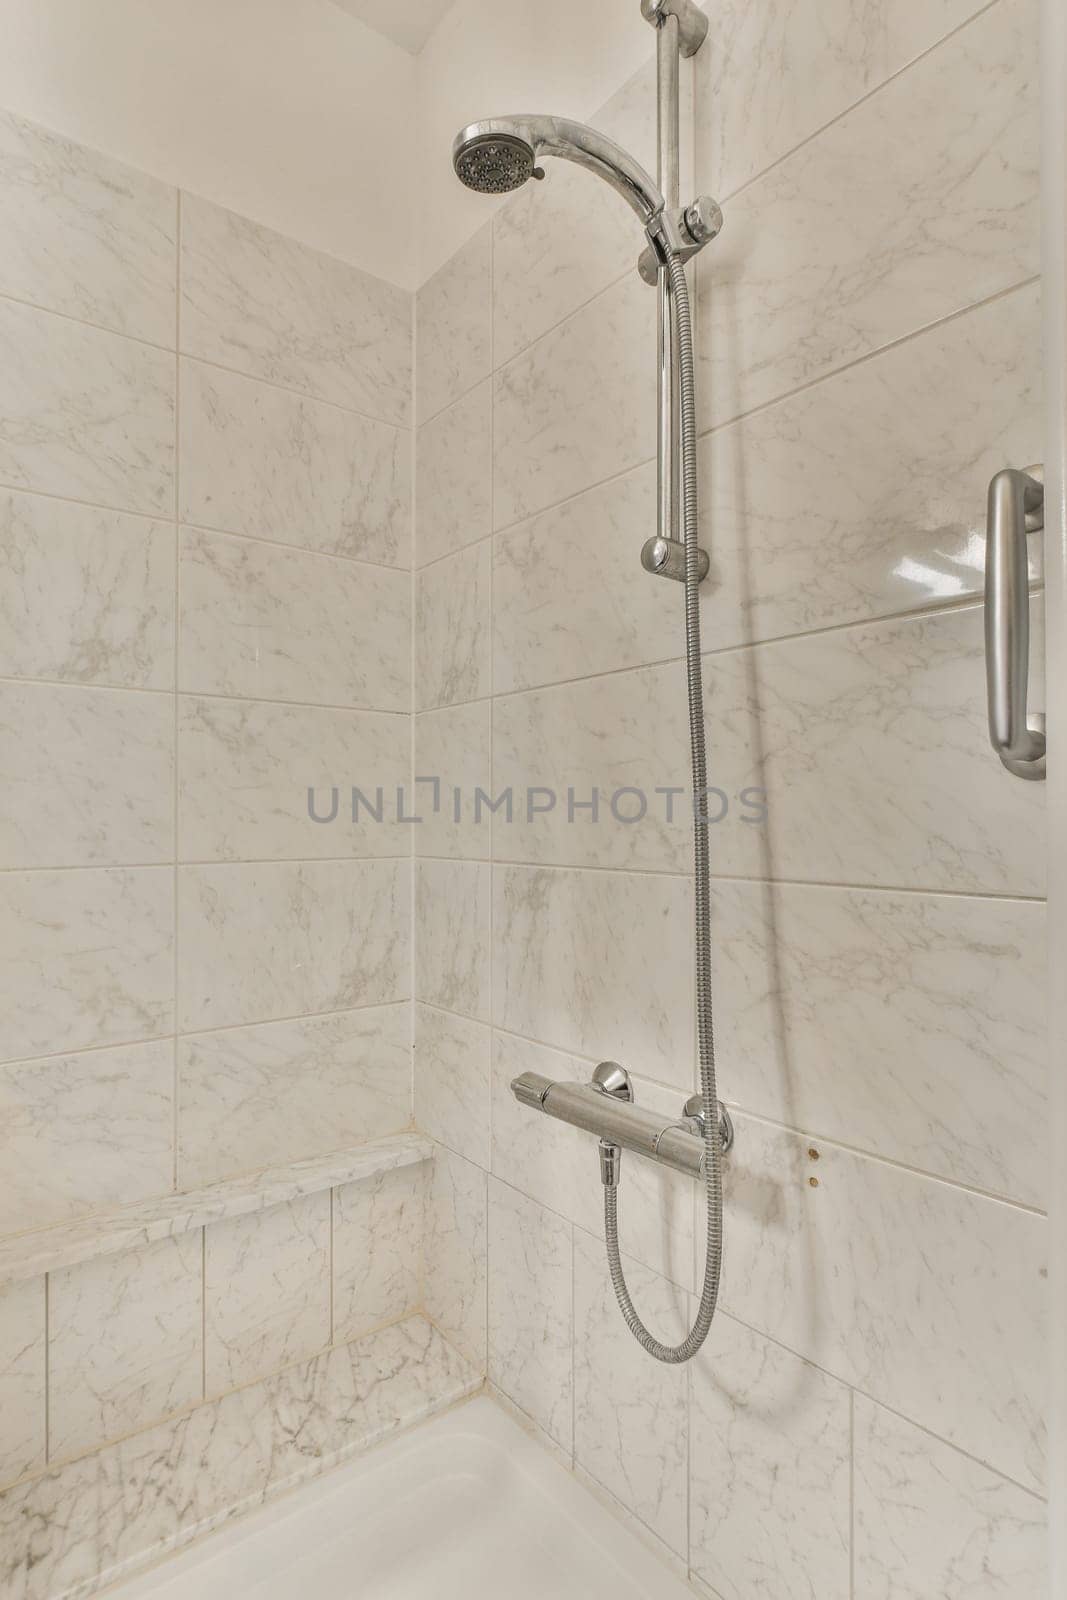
(771, 75)
(631, 1424)
(452, 1081)
(82, 1133)
(85, 414)
(453, 951)
(570, 961)
(377, 1250)
(452, 744)
(28, 1255)
(86, 235)
(930, 1299)
(930, 1521)
(124, 1343)
(917, 804)
(288, 1091)
(551, 436)
(807, 276)
(770, 1453)
(87, 776)
(88, 958)
(453, 313)
(266, 1290)
(531, 1309)
(246, 768)
(453, 473)
(86, 596)
(22, 1378)
(91, 1522)
(280, 939)
(258, 460)
(455, 1252)
(279, 624)
(272, 307)
(453, 645)
(908, 1025)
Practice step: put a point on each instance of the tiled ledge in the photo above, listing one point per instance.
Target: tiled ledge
(68, 1532)
(28, 1255)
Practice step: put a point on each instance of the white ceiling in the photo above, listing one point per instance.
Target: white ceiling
(408, 23)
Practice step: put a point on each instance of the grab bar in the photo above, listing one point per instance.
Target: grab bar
(1016, 508)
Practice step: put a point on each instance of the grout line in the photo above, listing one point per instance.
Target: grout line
(299, 394)
(294, 549)
(852, 1494)
(47, 1368)
(176, 1093)
(413, 747)
(205, 861)
(203, 1314)
(869, 94)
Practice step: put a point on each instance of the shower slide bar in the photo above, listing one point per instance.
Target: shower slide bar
(605, 1107)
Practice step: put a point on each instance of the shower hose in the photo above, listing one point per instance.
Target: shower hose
(712, 1165)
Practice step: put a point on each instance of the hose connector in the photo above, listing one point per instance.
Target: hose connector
(610, 1164)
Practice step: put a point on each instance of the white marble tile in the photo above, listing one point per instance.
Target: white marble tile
(556, 244)
(278, 939)
(266, 1291)
(453, 313)
(571, 953)
(453, 639)
(88, 958)
(630, 1413)
(28, 1255)
(908, 1025)
(559, 1167)
(928, 1298)
(22, 1378)
(124, 1343)
(258, 460)
(578, 406)
(86, 235)
(531, 1309)
(589, 764)
(285, 625)
(85, 414)
(86, 1523)
(245, 769)
(454, 1252)
(769, 1453)
(453, 475)
(272, 307)
(916, 803)
(88, 776)
(377, 1250)
(807, 276)
(86, 596)
(555, 618)
(452, 936)
(769, 76)
(452, 1082)
(262, 1097)
(929, 1521)
(83, 1133)
(865, 495)
(452, 750)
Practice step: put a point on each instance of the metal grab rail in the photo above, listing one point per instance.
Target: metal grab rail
(1015, 508)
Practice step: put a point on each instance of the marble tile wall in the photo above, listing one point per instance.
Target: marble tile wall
(206, 459)
(867, 1418)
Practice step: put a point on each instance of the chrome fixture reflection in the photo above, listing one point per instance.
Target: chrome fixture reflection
(1016, 508)
(493, 157)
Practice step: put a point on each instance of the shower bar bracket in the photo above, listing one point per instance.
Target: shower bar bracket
(691, 21)
(605, 1107)
(1016, 508)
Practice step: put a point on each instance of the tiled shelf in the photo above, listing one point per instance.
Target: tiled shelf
(28, 1255)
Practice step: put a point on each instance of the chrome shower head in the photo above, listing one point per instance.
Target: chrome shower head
(494, 163)
(500, 154)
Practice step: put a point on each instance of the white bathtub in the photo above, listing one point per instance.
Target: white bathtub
(464, 1507)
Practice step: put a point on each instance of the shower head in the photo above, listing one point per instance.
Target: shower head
(500, 154)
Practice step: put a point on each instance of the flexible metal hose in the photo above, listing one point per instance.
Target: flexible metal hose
(702, 897)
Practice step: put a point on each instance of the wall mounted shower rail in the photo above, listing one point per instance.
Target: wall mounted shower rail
(612, 1116)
